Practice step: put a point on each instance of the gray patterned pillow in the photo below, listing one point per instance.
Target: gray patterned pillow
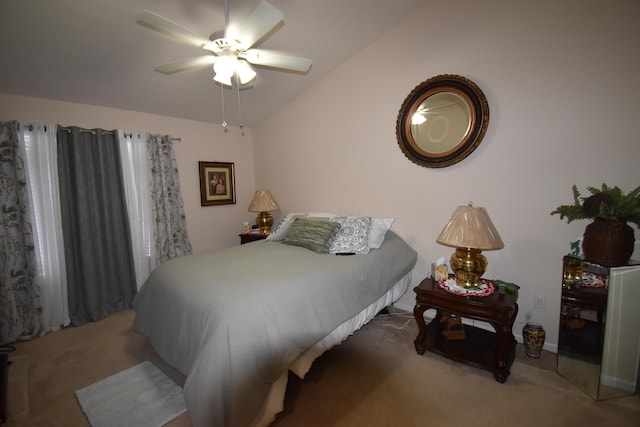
(353, 236)
(311, 234)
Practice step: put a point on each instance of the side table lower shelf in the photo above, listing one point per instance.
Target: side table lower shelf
(477, 349)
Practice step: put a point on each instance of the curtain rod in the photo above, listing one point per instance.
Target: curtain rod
(108, 132)
(130, 134)
(92, 132)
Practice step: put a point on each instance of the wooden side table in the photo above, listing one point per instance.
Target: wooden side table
(251, 237)
(494, 352)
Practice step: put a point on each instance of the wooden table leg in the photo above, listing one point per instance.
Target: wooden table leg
(504, 338)
(418, 313)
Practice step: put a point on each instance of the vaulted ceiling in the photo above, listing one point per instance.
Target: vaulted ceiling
(93, 52)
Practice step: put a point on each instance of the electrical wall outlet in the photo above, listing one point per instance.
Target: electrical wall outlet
(540, 301)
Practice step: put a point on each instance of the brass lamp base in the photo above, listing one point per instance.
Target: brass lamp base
(469, 265)
(264, 221)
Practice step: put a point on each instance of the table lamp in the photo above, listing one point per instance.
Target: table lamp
(263, 202)
(470, 231)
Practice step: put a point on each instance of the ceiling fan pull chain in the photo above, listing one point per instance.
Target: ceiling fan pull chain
(224, 119)
(239, 105)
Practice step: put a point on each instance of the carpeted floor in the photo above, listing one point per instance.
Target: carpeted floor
(375, 378)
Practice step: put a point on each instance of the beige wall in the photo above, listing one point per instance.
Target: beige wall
(562, 83)
(209, 227)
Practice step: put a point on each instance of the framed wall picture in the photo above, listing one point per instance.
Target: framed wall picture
(217, 183)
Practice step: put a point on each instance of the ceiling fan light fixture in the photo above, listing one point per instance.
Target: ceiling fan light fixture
(225, 65)
(223, 79)
(245, 72)
(224, 68)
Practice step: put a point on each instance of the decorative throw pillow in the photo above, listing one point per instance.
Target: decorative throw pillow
(353, 236)
(313, 235)
(280, 230)
(377, 231)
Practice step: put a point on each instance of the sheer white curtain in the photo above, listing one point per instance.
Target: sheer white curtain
(136, 171)
(39, 143)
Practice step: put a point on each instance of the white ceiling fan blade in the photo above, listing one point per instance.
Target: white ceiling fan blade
(186, 64)
(169, 28)
(269, 58)
(263, 19)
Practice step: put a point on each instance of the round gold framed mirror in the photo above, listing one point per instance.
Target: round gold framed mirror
(442, 121)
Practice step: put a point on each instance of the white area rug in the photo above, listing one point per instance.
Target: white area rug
(141, 396)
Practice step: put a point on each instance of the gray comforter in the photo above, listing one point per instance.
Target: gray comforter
(233, 321)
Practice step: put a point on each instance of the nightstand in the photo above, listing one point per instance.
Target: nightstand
(494, 352)
(246, 238)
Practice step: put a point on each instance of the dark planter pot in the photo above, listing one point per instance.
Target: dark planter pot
(608, 243)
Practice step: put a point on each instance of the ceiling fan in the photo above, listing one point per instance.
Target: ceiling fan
(230, 50)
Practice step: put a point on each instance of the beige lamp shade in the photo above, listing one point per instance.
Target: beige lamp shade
(471, 227)
(263, 201)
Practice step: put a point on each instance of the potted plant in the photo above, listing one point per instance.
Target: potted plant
(608, 240)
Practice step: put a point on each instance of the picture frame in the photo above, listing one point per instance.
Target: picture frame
(217, 183)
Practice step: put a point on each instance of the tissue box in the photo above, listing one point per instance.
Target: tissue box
(439, 272)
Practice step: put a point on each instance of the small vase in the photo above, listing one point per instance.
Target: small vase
(533, 336)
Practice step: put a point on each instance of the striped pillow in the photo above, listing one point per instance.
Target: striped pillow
(315, 235)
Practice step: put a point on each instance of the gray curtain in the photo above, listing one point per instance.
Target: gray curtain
(97, 243)
(170, 229)
(19, 295)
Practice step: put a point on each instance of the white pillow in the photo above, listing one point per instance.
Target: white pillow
(353, 235)
(320, 215)
(280, 230)
(377, 231)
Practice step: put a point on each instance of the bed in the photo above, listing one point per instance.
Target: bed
(235, 321)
